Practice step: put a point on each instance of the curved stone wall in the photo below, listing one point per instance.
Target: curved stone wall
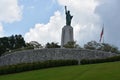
(28, 56)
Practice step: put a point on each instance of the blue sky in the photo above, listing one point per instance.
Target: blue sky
(33, 11)
(42, 20)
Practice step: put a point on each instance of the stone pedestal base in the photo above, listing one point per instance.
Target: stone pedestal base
(67, 35)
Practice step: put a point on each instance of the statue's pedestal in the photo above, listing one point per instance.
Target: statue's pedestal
(67, 35)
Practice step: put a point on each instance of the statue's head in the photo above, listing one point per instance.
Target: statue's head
(68, 11)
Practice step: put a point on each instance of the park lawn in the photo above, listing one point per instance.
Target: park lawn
(104, 71)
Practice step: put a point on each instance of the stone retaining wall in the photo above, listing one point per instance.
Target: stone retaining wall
(28, 56)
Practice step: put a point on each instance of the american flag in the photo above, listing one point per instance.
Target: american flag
(102, 32)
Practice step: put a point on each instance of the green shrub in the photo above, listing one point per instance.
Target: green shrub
(36, 65)
(93, 61)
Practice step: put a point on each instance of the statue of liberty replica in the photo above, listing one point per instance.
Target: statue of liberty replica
(68, 16)
(67, 30)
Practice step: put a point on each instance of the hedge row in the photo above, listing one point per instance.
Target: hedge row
(34, 66)
(93, 61)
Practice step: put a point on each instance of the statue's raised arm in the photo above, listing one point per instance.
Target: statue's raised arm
(68, 16)
(65, 9)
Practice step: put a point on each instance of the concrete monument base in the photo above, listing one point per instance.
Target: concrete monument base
(67, 35)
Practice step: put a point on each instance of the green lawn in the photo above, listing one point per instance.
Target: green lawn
(105, 71)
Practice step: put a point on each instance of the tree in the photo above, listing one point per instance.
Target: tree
(71, 44)
(4, 45)
(35, 44)
(10, 43)
(19, 41)
(52, 45)
(110, 48)
(93, 45)
(2, 50)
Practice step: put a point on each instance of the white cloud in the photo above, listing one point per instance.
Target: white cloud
(85, 23)
(1, 30)
(44, 33)
(10, 11)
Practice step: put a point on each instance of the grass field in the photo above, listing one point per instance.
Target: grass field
(104, 71)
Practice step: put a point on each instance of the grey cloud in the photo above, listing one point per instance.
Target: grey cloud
(109, 12)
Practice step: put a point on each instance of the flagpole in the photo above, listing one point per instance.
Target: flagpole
(103, 38)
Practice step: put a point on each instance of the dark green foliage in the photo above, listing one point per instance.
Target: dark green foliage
(28, 45)
(33, 45)
(104, 71)
(71, 44)
(19, 42)
(2, 50)
(52, 45)
(93, 61)
(109, 48)
(10, 43)
(93, 45)
(36, 65)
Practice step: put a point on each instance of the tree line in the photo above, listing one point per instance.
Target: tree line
(17, 42)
